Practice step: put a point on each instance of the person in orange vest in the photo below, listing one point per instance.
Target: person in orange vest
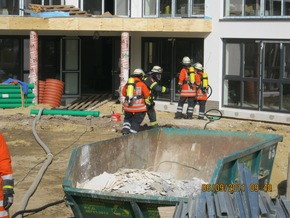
(135, 92)
(188, 90)
(6, 179)
(201, 81)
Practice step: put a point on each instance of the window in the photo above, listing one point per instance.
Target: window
(98, 7)
(173, 8)
(93, 7)
(9, 58)
(9, 7)
(256, 8)
(150, 8)
(256, 75)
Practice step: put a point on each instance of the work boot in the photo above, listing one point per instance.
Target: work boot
(178, 115)
(155, 126)
(200, 118)
(188, 116)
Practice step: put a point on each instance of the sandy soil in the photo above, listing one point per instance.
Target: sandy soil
(62, 133)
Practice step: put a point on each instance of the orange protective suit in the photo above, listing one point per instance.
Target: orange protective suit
(5, 172)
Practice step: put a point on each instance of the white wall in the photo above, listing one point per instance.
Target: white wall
(260, 29)
(136, 8)
(213, 50)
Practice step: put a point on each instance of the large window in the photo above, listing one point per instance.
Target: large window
(98, 7)
(9, 7)
(173, 8)
(256, 8)
(9, 58)
(256, 75)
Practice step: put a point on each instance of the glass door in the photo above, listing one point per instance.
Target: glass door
(70, 70)
(168, 54)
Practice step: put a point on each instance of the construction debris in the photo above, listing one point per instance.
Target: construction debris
(73, 11)
(143, 182)
(89, 102)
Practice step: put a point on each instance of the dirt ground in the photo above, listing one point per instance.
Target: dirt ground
(62, 133)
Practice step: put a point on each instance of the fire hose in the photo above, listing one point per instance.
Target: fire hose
(41, 172)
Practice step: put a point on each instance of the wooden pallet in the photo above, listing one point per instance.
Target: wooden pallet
(88, 102)
(73, 11)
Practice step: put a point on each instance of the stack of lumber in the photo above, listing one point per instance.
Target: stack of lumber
(73, 11)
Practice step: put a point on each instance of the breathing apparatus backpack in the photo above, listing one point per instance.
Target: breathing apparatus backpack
(205, 80)
(130, 90)
(191, 76)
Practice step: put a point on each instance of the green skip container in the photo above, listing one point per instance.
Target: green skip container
(186, 153)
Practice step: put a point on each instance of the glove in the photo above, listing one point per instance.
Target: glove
(147, 101)
(190, 85)
(163, 89)
(179, 88)
(8, 198)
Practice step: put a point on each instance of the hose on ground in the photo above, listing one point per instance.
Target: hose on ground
(47, 162)
(20, 212)
(212, 115)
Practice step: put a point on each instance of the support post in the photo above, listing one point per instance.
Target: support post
(33, 73)
(124, 64)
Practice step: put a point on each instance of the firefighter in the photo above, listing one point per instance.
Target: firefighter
(188, 90)
(152, 81)
(135, 92)
(6, 179)
(201, 80)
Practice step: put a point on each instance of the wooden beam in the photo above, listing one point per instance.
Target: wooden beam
(181, 25)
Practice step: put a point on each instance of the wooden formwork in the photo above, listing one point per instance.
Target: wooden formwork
(36, 8)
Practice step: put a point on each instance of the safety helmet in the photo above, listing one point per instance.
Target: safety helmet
(157, 69)
(186, 61)
(198, 66)
(138, 72)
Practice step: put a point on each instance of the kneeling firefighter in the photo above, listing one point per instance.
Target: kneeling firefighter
(135, 92)
(152, 81)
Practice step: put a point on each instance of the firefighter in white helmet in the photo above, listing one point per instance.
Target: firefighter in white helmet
(152, 80)
(135, 92)
(201, 80)
(187, 89)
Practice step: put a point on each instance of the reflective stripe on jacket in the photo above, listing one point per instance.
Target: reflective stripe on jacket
(5, 171)
(153, 86)
(139, 103)
(187, 90)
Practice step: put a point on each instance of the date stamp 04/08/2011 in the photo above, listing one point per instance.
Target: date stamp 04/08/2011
(235, 187)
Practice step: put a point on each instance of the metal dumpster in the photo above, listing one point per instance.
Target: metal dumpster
(186, 153)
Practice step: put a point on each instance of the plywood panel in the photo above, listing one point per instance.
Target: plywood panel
(107, 24)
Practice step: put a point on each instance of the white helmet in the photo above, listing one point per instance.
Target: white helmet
(157, 69)
(198, 66)
(138, 72)
(186, 61)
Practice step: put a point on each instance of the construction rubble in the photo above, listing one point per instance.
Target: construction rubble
(143, 182)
